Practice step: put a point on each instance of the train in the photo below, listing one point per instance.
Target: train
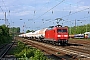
(85, 35)
(55, 35)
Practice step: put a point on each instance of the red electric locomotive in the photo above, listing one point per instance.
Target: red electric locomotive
(57, 34)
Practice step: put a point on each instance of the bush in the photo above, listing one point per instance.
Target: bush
(4, 35)
(22, 51)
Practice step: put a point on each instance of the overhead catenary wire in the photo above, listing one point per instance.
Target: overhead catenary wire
(80, 11)
(5, 5)
(75, 12)
(6, 9)
(2, 9)
(51, 8)
(85, 17)
(70, 12)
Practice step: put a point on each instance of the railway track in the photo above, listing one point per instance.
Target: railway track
(75, 52)
(82, 42)
(81, 47)
(84, 48)
(47, 49)
(51, 49)
(5, 49)
(79, 44)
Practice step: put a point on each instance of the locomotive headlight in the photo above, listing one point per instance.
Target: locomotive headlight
(65, 35)
(59, 35)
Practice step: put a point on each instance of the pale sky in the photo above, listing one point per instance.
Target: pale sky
(38, 14)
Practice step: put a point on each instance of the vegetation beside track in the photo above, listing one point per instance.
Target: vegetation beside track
(4, 35)
(25, 51)
(7, 34)
(79, 29)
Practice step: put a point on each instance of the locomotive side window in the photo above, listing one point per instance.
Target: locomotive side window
(61, 30)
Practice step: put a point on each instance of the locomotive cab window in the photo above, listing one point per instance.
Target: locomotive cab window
(61, 30)
(64, 30)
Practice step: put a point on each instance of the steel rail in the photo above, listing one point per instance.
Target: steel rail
(6, 50)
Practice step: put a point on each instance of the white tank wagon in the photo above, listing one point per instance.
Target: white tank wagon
(35, 35)
(25, 35)
(21, 35)
(39, 34)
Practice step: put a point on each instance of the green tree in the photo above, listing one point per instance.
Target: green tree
(4, 34)
(18, 29)
(14, 30)
(80, 29)
(28, 31)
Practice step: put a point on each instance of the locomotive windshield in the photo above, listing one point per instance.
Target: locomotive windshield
(61, 30)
